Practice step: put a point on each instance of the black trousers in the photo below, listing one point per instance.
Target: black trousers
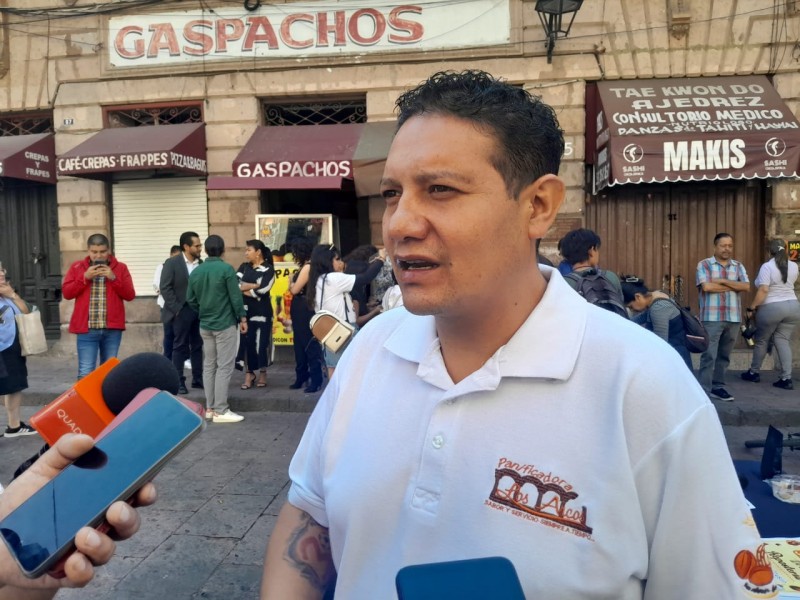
(255, 346)
(307, 350)
(169, 339)
(187, 343)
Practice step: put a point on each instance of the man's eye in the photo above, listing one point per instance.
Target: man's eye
(389, 193)
(438, 189)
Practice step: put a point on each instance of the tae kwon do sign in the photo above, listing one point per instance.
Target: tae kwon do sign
(692, 129)
(309, 29)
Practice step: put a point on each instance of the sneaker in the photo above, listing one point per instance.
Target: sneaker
(751, 375)
(182, 389)
(209, 415)
(227, 417)
(721, 394)
(23, 429)
(784, 384)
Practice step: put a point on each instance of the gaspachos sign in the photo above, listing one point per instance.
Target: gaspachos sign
(304, 29)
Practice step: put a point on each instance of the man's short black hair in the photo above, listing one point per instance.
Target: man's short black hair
(186, 238)
(721, 235)
(98, 239)
(215, 245)
(174, 250)
(529, 140)
(576, 244)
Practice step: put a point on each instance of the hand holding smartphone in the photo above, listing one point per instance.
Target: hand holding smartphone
(42, 530)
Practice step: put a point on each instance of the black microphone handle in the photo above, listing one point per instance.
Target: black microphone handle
(26, 465)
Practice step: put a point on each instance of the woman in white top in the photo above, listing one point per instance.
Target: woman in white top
(333, 288)
(778, 313)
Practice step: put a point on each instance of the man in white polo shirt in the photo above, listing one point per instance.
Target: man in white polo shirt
(498, 414)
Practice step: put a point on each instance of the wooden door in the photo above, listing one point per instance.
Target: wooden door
(661, 232)
(29, 247)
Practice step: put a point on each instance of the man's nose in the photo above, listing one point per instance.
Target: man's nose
(407, 221)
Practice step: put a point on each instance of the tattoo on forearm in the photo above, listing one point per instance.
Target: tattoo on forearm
(309, 551)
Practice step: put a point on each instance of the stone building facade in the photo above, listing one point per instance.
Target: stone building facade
(79, 63)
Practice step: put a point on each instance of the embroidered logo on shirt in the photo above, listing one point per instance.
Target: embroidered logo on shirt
(531, 494)
(756, 572)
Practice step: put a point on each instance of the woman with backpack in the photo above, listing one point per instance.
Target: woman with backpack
(658, 313)
(777, 313)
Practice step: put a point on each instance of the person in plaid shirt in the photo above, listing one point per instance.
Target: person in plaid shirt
(720, 280)
(99, 283)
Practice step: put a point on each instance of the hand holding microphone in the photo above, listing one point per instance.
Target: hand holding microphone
(93, 402)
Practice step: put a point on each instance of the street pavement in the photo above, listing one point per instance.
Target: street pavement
(218, 500)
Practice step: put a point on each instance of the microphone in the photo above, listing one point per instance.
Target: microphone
(93, 401)
(136, 373)
(80, 409)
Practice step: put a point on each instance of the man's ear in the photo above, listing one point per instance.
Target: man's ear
(542, 199)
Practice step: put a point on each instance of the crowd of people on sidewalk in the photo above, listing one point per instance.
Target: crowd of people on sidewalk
(214, 318)
(721, 280)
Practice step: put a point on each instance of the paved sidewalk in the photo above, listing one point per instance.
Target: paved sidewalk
(754, 404)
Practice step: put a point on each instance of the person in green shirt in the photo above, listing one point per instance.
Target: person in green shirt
(214, 294)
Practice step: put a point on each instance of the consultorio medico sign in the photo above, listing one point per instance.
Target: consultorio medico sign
(305, 30)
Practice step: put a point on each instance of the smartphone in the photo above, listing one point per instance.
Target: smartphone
(99, 262)
(42, 530)
(472, 579)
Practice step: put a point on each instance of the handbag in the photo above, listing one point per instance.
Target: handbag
(31, 332)
(328, 329)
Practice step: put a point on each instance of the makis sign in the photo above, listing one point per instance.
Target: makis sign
(305, 30)
(693, 129)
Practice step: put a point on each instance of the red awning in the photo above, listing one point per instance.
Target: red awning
(294, 158)
(164, 148)
(689, 129)
(30, 157)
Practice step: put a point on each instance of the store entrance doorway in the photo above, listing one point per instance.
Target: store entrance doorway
(661, 232)
(29, 247)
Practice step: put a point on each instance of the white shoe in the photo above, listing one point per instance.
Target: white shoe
(227, 417)
(209, 415)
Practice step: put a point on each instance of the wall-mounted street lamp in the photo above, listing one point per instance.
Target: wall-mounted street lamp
(551, 14)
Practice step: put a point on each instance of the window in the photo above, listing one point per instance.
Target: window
(332, 112)
(25, 123)
(137, 116)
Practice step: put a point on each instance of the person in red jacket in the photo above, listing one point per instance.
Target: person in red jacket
(99, 283)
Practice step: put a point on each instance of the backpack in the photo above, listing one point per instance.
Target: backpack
(696, 336)
(597, 289)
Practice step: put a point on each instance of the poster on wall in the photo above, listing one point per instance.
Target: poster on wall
(282, 332)
(794, 250)
(277, 232)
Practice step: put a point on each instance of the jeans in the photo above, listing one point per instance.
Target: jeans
(714, 361)
(104, 342)
(219, 354)
(776, 319)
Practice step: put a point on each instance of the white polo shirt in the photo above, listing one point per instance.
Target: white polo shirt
(583, 450)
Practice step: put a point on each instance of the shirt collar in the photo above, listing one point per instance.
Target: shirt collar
(545, 346)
